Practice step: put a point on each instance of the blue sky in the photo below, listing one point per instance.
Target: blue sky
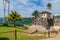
(26, 7)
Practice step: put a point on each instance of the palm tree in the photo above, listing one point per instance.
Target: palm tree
(14, 16)
(4, 6)
(35, 13)
(8, 6)
(49, 6)
(8, 2)
(8, 9)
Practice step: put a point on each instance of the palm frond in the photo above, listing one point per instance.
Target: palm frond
(14, 16)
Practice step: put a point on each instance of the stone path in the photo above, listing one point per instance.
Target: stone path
(55, 38)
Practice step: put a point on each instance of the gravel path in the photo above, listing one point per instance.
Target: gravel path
(55, 38)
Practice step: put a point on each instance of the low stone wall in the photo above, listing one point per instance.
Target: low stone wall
(56, 23)
(56, 27)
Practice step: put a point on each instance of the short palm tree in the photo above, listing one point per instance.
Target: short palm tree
(35, 13)
(14, 16)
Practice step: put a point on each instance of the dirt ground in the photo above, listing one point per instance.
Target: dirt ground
(54, 38)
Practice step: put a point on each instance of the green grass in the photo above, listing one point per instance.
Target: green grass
(27, 37)
(6, 29)
(20, 34)
(28, 24)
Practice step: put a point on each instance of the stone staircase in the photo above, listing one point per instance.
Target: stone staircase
(31, 30)
(35, 28)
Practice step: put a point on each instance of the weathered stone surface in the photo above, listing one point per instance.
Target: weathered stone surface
(43, 21)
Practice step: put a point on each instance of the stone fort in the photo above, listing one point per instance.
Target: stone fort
(45, 21)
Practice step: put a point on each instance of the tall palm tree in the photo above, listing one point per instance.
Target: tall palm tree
(8, 9)
(14, 16)
(49, 5)
(35, 13)
(4, 6)
(8, 6)
(8, 2)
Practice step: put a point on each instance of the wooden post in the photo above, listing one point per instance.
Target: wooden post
(48, 34)
(45, 34)
(15, 35)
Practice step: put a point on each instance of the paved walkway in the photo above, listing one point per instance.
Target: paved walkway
(55, 38)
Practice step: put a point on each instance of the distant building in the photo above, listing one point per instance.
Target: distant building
(56, 20)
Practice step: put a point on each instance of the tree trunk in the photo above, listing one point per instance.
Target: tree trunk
(4, 6)
(49, 34)
(8, 9)
(14, 23)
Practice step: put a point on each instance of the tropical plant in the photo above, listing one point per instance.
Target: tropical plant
(4, 6)
(49, 5)
(14, 16)
(35, 13)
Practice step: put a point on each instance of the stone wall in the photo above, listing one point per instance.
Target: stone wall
(40, 21)
(56, 20)
(43, 22)
(56, 23)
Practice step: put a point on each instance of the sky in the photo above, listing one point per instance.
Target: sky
(26, 7)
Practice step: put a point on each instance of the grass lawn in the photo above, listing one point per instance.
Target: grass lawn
(28, 24)
(20, 35)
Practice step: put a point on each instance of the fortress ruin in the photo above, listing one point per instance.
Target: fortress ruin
(44, 21)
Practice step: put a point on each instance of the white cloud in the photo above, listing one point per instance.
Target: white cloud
(26, 7)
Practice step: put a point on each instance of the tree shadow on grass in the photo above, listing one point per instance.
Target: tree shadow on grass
(3, 38)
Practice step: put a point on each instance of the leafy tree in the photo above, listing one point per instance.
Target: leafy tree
(14, 16)
(35, 13)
